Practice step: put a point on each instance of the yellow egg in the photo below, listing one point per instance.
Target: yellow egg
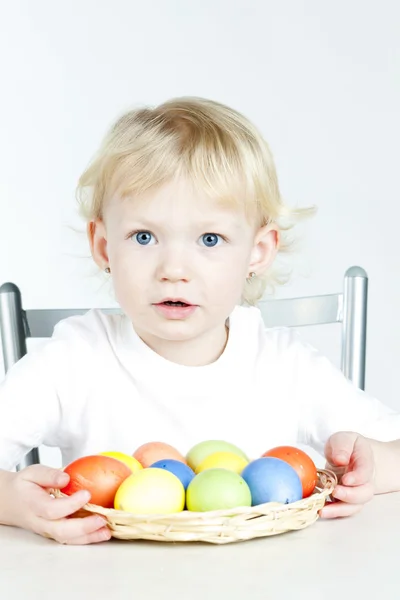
(200, 451)
(131, 462)
(223, 460)
(150, 491)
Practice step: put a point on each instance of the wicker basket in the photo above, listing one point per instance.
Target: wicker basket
(219, 526)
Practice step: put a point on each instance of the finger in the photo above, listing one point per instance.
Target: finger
(56, 508)
(45, 476)
(65, 530)
(362, 465)
(339, 509)
(339, 447)
(101, 535)
(339, 471)
(354, 495)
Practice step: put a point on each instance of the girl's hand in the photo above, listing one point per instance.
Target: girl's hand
(31, 507)
(351, 457)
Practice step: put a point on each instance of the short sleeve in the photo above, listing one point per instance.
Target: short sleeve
(328, 402)
(29, 406)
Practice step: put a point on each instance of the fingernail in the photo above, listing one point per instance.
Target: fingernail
(341, 457)
(340, 493)
(62, 479)
(106, 534)
(85, 496)
(349, 479)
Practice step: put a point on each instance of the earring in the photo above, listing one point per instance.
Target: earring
(251, 275)
(107, 270)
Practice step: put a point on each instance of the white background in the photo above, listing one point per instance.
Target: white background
(320, 79)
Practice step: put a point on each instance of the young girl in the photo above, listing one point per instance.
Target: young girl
(184, 215)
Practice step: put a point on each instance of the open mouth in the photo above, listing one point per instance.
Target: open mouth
(175, 309)
(172, 303)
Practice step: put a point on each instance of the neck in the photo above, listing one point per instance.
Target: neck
(196, 352)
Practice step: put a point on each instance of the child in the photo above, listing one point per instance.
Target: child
(184, 214)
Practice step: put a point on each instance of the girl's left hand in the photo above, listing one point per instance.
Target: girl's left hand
(351, 457)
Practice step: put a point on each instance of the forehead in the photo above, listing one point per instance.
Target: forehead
(178, 201)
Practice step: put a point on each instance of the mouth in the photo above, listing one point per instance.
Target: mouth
(175, 309)
(179, 302)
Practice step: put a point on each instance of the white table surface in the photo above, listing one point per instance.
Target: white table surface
(357, 557)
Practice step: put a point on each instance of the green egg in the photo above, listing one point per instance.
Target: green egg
(201, 451)
(217, 489)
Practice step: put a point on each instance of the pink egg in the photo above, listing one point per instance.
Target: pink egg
(151, 452)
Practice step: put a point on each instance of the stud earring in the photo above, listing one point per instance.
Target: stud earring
(107, 270)
(251, 275)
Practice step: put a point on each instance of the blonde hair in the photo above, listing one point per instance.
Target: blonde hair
(215, 146)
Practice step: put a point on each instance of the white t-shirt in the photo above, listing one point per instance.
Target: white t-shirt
(96, 386)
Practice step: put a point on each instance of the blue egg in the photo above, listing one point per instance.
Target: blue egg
(272, 480)
(179, 469)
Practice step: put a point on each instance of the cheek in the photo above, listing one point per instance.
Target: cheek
(229, 273)
(128, 262)
(234, 263)
(232, 279)
(130, 276)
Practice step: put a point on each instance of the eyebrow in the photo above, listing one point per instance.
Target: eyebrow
(222, 218)
(205, 225)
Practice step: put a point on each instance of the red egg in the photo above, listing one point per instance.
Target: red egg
(301, 463)
(100, 475)
(151, 452)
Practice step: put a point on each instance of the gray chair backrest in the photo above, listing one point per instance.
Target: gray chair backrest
(348, 307)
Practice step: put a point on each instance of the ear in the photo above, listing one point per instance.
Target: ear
(97, 236)
(266, 244)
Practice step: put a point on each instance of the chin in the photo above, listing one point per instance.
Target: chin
(176, 331)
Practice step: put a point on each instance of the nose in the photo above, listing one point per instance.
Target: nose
(174, 264)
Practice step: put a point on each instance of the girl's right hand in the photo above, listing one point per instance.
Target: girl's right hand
(34, 509)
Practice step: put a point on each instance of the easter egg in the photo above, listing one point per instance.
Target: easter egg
(272, 480)
(100, 475)
(131, 462)
(149, 453)
(200, 451)
(179, 469)
(217, 489)
(151, 491)
(223, 460)
(301, 463)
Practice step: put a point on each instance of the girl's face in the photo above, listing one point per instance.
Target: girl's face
(179, 260)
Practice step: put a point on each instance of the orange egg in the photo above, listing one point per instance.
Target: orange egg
(301, 463)
(151, 452)
(100, 475)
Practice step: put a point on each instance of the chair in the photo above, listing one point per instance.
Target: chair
(348, 307)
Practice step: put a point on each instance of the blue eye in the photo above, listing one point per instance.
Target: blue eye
(144, 238)
(210, 239)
